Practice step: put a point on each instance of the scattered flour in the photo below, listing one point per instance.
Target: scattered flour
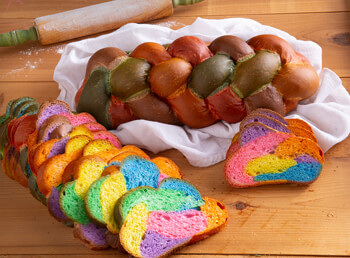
(33, 51)
(27, 66)
(36, 51)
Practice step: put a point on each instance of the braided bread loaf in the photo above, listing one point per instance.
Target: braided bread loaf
(195, 84)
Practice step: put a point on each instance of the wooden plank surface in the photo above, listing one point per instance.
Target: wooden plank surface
(29, 9)
(276, 221)
(329, 30)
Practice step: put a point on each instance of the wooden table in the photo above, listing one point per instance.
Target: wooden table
(277, 221)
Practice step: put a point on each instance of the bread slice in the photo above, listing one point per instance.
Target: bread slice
(263, 154)
(51, 172)
(55, 127)
(267, 120)
(21, 132)
(87, 170)
(269, 113)
(156, 222)
(50, 108)
(15, 109)
(91, 235)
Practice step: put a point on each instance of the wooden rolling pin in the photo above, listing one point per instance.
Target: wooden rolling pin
(92, 19)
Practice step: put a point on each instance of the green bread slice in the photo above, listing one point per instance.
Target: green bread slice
(72, 205)
(26, 107)
(72, 195)
(18, 104)
(93, 202)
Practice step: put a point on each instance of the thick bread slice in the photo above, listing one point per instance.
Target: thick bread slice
(87, 170)
(156, 222)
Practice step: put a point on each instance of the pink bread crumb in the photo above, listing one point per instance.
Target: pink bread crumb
(79, 119)
(108, 136)
(235, 166)
(94, 127)
(161, 177)
(177, 224)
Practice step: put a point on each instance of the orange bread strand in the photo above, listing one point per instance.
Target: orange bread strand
(302, 132)
(299, 146)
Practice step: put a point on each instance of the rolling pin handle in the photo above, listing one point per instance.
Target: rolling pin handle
(17, 37)
(185, 2)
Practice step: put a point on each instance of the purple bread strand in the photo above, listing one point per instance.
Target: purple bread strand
(53, 109)
(154, 244)
(54, 205)
(58, 147)
(252, 132)
(270, 114)
(306, 159)
(269, 122)
(94, 233)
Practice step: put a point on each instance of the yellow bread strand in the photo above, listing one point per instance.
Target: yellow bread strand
(133, 229)
(115, 187)
(81, 130)
(268, 164)
(96, 146)
(77, 143)
(89, 169)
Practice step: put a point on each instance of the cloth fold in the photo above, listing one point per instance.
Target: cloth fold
(328, 111)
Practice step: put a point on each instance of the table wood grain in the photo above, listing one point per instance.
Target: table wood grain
(271, 221)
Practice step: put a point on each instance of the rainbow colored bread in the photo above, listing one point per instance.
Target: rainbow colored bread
(155, 222)
(76, 167)
(269, 150)
(17, 124)
(193, 83)
(97, 149)
(133, 171)
(90, 198)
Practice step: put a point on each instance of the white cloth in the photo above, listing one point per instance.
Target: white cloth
(328, 111)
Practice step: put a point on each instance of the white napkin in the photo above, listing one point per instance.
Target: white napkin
(328, 111)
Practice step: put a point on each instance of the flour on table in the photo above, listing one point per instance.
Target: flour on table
(33, 64)
(36, 51)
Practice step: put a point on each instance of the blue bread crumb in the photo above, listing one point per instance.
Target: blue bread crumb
(138, 171)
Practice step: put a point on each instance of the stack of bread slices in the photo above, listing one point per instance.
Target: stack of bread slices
(269, 149)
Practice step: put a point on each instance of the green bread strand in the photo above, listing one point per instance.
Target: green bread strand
(157, 200)
(72, 205)
(93, 200)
